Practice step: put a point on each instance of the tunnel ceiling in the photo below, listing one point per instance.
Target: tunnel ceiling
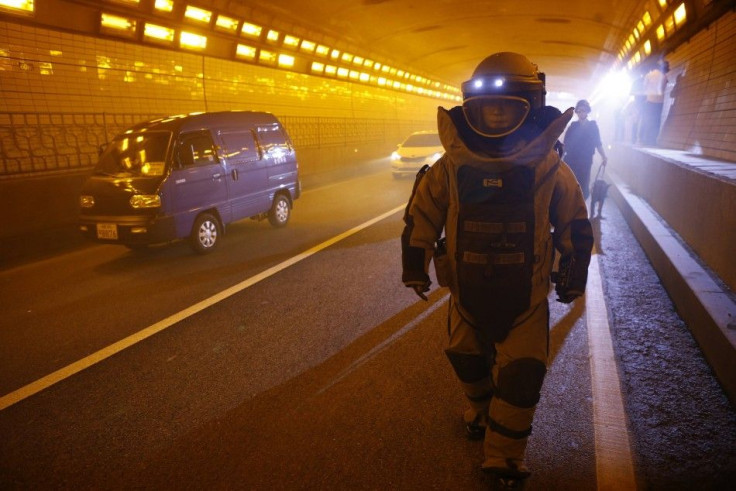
(573, 41)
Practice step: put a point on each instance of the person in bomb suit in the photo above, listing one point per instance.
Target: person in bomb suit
(504, 200)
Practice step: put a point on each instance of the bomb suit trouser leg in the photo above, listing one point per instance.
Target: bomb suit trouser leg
(471, 364)
(517, 368)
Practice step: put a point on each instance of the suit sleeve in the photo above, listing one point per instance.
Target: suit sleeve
(573, 233)
(424, 221)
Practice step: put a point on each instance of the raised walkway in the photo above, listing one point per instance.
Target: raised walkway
(698, 197)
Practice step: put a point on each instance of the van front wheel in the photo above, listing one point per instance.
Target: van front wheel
(206, 233)
(280, 211)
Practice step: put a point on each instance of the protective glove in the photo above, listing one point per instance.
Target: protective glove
(419, 287)
(569, 281)
(566, 295)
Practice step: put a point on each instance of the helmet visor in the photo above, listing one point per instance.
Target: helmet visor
(495, 115)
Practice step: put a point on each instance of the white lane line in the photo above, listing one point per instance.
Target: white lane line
(614, 468)
(385, 344)
(86, 362)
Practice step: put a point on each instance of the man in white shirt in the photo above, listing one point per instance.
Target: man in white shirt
(654, 85)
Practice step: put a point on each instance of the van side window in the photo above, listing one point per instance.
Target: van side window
(274, 142)
(196, 149)
(240, 147)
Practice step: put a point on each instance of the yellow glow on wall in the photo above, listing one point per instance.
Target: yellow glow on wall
(364, 77)
(225, 23)
(343, 72)
(647, 47)
(198, 15)
(637, 57)
(286, 61)
(669, 25)
(251, 30)
(119, 26)
(267, 57)
(353, 74)
(400, 73)
(347, 57)
(317, 67)
(647, 19)
(192, 41)
(331, 70)
(368, 63)
(385, 68)
(358, 60)
(18, 6)
(160, 33)
(636, 33)
(663, 4)
(680, 15)
(377, 66)
(640, 27)
(291, 41)
(164, 5)
(381, 81)
(307, 46)
(335, 54)
(273, 36)
(322, 50)
(245, 51)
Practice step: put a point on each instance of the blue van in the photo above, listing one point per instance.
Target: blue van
(189, 176)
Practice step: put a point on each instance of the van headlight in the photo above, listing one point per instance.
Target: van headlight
(86, 201)
(145, 201)
(395, 156)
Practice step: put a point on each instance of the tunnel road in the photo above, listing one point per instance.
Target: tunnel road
(327, 374)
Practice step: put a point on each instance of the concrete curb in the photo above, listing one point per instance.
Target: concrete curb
(707, 307)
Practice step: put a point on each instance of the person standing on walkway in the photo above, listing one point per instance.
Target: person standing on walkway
(581, 141)
(655, 83)
(496, 194)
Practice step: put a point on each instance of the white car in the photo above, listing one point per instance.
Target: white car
(420, 148)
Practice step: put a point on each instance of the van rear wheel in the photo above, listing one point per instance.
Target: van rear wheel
(280, 211)
(206, 233)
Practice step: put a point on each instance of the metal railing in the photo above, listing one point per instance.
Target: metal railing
(38, 143)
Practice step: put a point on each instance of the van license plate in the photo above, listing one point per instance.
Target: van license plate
(107, 231)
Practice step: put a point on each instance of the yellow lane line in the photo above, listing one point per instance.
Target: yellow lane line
(614, 468)
(96, 357)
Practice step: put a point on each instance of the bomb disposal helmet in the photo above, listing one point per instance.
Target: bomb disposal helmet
(505, 87)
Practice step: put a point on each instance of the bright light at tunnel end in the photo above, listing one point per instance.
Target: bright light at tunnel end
(615, 86)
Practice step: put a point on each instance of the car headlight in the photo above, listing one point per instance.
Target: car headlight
(395, 156)
(145, 201)
(86, 201)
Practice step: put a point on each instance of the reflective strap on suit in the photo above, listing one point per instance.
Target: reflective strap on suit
(494, 228)
(476, 258)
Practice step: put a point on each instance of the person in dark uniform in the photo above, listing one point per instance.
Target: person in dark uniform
(581, 141)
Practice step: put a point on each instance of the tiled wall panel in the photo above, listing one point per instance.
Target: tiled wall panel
(700, 106)
(45, 72)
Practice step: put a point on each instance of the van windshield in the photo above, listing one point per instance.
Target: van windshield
(135, 155)
(423, 140)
